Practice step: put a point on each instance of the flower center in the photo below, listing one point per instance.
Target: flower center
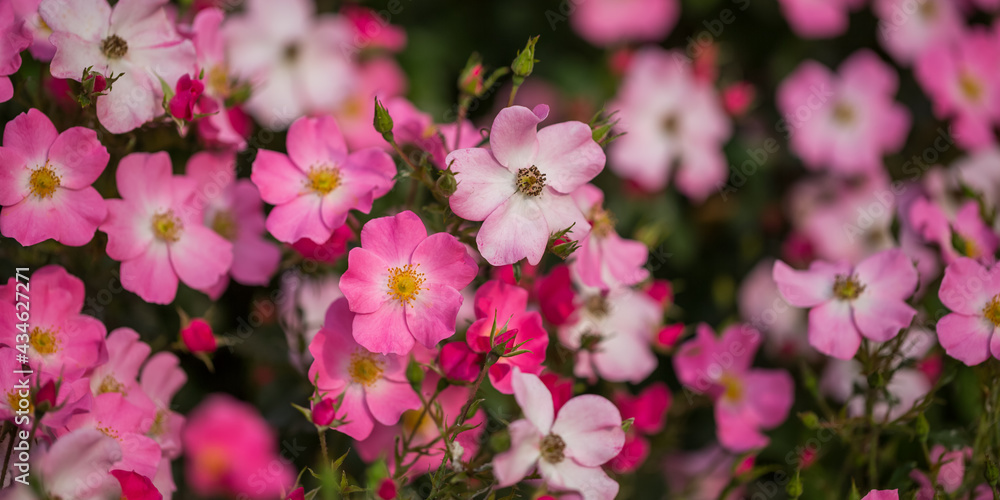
(218, 80)
(44, 181)
(114, 47)
(602, 222)
(597, 305)
(291, 52)
(732, 387)
(214, 461)
(224, 225)
(970, 87)
(553, 449)
(671, 124)
(843, 113)
(110, 384)
(14, 400)
(992, 310)
(159, 424)
(847, 287)
(405, 283)
(323, 179)
(167, 227)
(530, 181)
(365, 368)
(44, 341)
(928, 9)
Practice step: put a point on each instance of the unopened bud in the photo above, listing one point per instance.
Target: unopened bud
(525, 61)
(414, 374)
(383, 122)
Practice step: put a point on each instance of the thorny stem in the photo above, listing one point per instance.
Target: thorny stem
(322, 445)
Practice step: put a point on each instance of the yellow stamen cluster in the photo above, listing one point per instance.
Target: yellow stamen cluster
(405, 283)
(44, 341)
(843, 113)
(602, 221)
(323, 179)
(167, 226)
(992, 310)
(44, 181)
(224, 224)
(732, 387)
(365, 368)
(110, 384)
(530, 181)
(553, 449)
(847, 287)
(970, 86)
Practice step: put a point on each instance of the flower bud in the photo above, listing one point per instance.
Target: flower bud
(923, 427)
(96, 82)
(197, 336)
(794, 487)
(414, 374)
(470, 81)
(525, 61)
(447, 183)
(323, 412)
(387, 489)
(45, 398)
(810, 420)
(297, 494)
(383, 122)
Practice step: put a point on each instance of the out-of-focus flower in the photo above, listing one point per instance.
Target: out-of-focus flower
(567, 448)
(738, 97)
(608, 22)
(701, 474)
(845, 122)
(294, 59)
(373, 386)
(972, 292)
(818, 18)
(198, 337)
(135, 486)
(186, 94)
(372, 30)
(520, 186)
(134, 37)
(114, 415)
(673, 122)
(966, 229)
(387, 489)
(16, 38)
(907, 29)
(964, 85)
(405, 285)
(78, 466)
(228, 445)
(414, 127)
(762, 306)
(379, 77)
(746, 400)
(459, 362)
(649, 411)
(38, 32)
(882, 495)
(604, 259)
(978, 172)
(318, 182)
(303, 310)
(329, 251)
(950, 473)
(505, 306)
(45, 181)
(848, 303)
(158, 235)
(221, 126)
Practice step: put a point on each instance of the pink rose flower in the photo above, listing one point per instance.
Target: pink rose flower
(219, 128)
(134, 37)
(187, 92)
(77, 465)
(848, 303)
(963, 84)
(412, 126)
(160, 380)
(825, 113)
(507, 305)
(907, 30)
(882, 495)
(519, 187)
(972, 292)
(228, 446)
(158, 235)
(818, 18)
(16, 37)
(371, 387)
(318, 182)
(608, 22)
(405, 285)
(951, 471)
(675, 127)
(604, 259)
(966, 228)
(649, 409)
(567, 448)
(459, 362)
(746, 400)
(45, 181)
(37, 31)
(114, 415)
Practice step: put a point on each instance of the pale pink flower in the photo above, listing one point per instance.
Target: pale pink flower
(844, 122)
(701, 474)
(673, 122)
(848, 303)
(119, 373)
(882, 495)
(950, 473)
(160, 380)
(62, 342)
(41, 48)
(16, 37)
(45, 181)
(73, 396)
(604, 259)
(520, 187)
(818, 18)
(908, 28)
(371, 30)
(158, 235)
(746, 400)
(905, 388)
(378, 77)
(612, 333)
(209, 43)
(231, 450)
(972, 292)
(233, 209)
(295, 59)
(404, 284)
(965, 228)
(135, 37)
(762, 306)
(318, 182)
(608, 22)
(506, 306)
(371, 387)
(567, 448)
(302, 312)
(978, 172)
(127, 424)
(77, 466)
(961, 80)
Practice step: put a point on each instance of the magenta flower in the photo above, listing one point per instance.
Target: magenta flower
(187, 92)
(218, 128)
(134, 37)
(16, 37)
(972, 292)
(963, 84)
(318, 182)
(233, 209)
(746, 400)
(371, 387)
(405, 285)
(228, 447)
(62, 342)
(675, 127)
(197, 336)
(604, 259)
(519, 187)
(844, 122)
(507, 305)
(567, 448)
(848, 303)
(882, 495)
(649, 409)
(45, 181)
(135, 486)
(818, 18)
(608, 22)
(966, 228)
(157, 234)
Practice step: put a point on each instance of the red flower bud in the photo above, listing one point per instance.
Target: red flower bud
(197, 336)
(323, 412)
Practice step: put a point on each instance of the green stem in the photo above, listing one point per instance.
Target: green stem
(10, 449)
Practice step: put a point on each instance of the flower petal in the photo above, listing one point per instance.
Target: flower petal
(966, 338)
(80, 157)
(432, 315)
(200, 257)
(277, 178)
(384, 331)
(880, 319)
(516, 230)
(514, 136)
(150, 276)
(591, 427)
(444, 260)
(568, 156)
(511, 466)
(394, 238)
(316, 141)
(807, 288)
(365, 283)
(388, 400)
(534, 399)
(832, 331)
(483, 184)
(299, 218)
(591, 482)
